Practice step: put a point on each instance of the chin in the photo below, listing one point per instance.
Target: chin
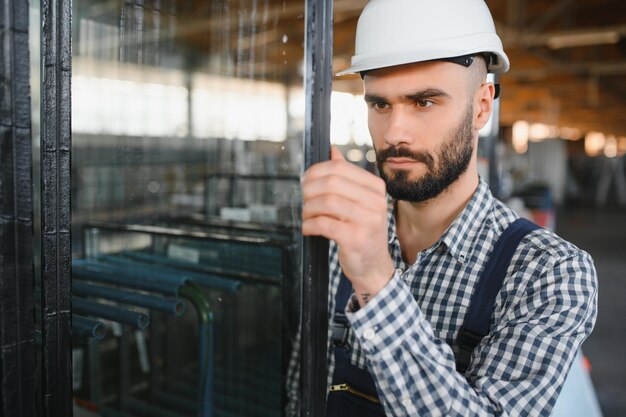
(408, 174)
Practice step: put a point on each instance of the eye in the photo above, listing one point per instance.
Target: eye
(379, 106)
(423, 103)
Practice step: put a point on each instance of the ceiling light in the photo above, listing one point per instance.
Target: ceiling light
(521, 130)
(594, 143)
(540, 131)
(583, 39)
(610, 148)
(621, 145)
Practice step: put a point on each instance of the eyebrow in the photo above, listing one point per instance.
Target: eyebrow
(427, 93)
(416, 96)
(373, 98)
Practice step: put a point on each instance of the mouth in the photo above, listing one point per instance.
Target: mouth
(401, 162)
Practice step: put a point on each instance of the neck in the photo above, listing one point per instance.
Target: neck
(420, 225)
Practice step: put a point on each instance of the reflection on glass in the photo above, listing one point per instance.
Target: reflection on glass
(186, 158)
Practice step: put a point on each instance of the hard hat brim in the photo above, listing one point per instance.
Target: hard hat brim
(432, 52)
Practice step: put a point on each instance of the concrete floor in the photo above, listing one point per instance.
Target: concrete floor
(602, 233)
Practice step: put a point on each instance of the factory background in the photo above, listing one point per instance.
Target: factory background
(151, 262)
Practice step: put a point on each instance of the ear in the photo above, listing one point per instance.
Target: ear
(483, 104)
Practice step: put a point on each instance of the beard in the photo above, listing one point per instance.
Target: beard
(451, 161)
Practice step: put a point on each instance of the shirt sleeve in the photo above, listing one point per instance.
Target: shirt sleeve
(517, 370)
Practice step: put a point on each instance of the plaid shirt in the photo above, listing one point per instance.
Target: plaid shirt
(544, 311)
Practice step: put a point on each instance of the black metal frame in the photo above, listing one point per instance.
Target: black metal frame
(17, 342)
(56, 249)
(318, 64)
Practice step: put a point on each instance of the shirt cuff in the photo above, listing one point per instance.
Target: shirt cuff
(389, 318)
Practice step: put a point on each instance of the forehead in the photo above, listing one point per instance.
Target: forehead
(406, 79)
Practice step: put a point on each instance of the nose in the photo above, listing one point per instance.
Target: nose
(398, 131)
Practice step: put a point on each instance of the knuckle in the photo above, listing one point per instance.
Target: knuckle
(306, 211)
(314, 226)
(336, 164)
(331, 202)
(332, 182)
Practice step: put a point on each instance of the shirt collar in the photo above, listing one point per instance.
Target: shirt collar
(460, 236)
(465, 229)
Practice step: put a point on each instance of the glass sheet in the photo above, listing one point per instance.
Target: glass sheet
(187, 126)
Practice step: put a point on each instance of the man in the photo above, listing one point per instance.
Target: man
(413, 242)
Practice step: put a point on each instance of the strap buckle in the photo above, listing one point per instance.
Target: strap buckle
(468, 339)
(340, 327)
(466, 342)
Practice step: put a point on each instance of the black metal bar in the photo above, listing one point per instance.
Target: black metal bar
(17, 338)
(494, 163)
(95, 371)
(156, 354)
(56, 59)
(124, 368)
(314, 326)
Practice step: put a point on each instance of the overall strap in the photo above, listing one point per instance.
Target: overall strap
(340, 321)
(482, 305)
(353, 391)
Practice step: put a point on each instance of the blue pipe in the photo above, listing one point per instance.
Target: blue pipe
(100, 274)
(205, 318)
(212, 270)
(82, 326)
(206, 368)
(170, 306)
(161, 264)
(94, 264)
(271, 273)
(172, 279)
(120, 315)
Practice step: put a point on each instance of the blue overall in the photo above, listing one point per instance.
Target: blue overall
(358, 396)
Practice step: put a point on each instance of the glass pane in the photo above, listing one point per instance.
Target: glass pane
(187, 121)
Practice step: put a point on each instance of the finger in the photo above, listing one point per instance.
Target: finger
(327, 227)
(340, 208)
(344, 169)
(335, 154)
(330, 185)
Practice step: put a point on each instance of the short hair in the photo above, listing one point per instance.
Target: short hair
(478, 71)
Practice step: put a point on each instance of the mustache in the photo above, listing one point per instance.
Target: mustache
(401, 152)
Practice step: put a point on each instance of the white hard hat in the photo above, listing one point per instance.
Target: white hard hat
(396, 32)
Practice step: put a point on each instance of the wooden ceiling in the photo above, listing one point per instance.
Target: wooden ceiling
(581, 87)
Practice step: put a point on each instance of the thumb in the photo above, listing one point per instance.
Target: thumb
(335, 154)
